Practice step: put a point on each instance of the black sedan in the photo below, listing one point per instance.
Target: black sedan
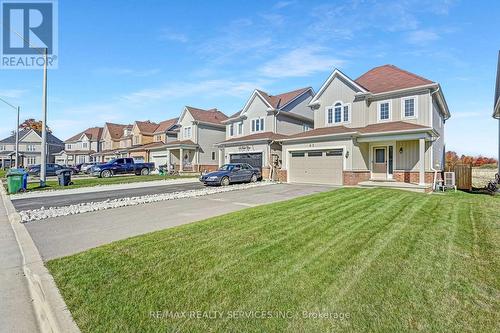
(50, 169)
(232, 173)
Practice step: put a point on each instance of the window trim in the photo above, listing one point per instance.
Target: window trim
(379, 103)
(262, 125)
(184, 132)
(415, 107)
(332, 107)
(240, 128)
(231, 129)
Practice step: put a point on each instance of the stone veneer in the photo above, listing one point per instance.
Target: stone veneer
(355, 177)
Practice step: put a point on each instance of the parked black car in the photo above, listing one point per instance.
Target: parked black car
(50, 169)
(232, 173)
(122, 166)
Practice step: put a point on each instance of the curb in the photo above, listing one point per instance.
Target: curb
(52, 314)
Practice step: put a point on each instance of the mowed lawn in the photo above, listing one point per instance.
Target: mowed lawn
(350, 260)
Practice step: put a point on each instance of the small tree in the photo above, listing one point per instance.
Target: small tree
(33, 124)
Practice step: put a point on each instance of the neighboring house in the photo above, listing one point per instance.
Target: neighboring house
(386, 125)
(253, 134)
(30, 148)
(496, 112)
(198, 132)
(166, 132)
(80, 148)
(116, 139)
(142, 135)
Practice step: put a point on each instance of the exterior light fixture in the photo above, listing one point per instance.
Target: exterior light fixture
(400, 150)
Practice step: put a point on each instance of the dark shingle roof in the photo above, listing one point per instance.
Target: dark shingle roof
(213, 116)
(280, 100)
(50, 137)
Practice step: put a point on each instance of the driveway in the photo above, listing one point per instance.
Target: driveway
(66, 235)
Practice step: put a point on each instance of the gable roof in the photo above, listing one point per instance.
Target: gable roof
(496, 104)
(389, 78)
(146, 127)
(257, 137)
(336, 73)
(52, 139)
(212, 116)
(93, 133)
(280, 100)
(116, 130)
(166, 125)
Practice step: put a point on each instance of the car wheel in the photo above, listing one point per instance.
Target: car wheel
(253, 179)
(224, 181)
(145, 171)
(106, 174)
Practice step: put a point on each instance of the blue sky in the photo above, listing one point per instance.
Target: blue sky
(122, 61)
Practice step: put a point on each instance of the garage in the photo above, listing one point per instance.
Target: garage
(158, 158)
(316, 166)
(254, 159)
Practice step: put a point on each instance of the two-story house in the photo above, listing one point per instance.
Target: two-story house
(198, 132)
(388, 125)
(80, 147)
(116, 139)
(496, 107)
(30, 148)
(142, 136)
(253, 134)
(166, 132)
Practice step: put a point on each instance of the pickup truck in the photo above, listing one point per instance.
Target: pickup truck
(122, 166)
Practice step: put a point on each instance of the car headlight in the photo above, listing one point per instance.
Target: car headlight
(212, 178)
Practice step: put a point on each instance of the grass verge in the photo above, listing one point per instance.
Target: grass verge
(350, 260)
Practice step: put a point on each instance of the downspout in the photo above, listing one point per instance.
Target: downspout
(432, 148)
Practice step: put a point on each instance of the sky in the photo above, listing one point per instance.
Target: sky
(121, 61)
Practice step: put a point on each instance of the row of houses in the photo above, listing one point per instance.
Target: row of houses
(388, 124)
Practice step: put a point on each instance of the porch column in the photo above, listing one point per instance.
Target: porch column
(169, 162)
(421, 161)
(221, 157)
(181, 159)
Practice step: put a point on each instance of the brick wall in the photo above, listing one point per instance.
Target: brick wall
(205, 167)
(412, 177)
(355, 177)
(265, 172)
(282, 176)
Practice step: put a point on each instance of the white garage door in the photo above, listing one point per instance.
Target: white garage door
(316, 166)
(159, 159)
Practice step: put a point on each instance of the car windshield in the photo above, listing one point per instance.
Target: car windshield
(227, 167)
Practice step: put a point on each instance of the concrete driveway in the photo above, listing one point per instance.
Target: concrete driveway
(62, 236)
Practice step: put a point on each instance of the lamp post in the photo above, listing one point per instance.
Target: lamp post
(18, 109)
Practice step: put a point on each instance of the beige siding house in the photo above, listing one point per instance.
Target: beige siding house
(253, 134)
(496, 111)
(81, 147)
(387, 125)
(115, 142)
(198, 131)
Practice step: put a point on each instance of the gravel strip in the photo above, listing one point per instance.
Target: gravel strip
(45, 213)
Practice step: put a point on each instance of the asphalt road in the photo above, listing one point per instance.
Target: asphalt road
(66, 235)
(66, 200)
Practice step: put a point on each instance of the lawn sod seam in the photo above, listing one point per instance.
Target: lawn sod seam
(302, 254)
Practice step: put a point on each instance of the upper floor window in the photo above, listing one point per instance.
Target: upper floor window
(187, 132)
(30, 147)
(136, 139)
(231, 129)
(240, 128)
(68, 146)
(339, 113)
(384, 111)
(258, 125)
(2, 147)
(84, 145)
(409, 107)
(306, 127)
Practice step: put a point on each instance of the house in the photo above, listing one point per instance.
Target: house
(198, 132)
(30, 148)
(496, 112)
(142, 135)
(116, 139)
(386, 125)
(166, 132)
(253, 134)
(80, 147)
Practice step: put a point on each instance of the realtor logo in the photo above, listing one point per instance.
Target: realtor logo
(28, 28)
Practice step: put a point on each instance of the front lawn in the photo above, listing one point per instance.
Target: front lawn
(88, 182)
(350, 260)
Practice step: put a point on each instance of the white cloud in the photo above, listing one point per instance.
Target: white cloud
(422, 36)
(283, 4)
(298, 63)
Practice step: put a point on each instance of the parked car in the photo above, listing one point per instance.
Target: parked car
(50, 169)
(74, 169)
(122, 166)
(84, 167)
(232, 173)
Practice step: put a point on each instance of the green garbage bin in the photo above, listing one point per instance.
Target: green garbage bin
(15, 180)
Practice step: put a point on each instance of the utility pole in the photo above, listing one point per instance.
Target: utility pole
(18, 109)
(43, 164)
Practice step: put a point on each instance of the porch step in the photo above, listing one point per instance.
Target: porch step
(397, 185)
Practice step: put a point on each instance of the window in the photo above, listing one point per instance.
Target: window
(380, 155)
(68, 146)
(240, 128)
(334, 152)
(298, 154)
(306, 127)
(136, 139)
(84, 145)
(315, 153)
(30, 160)
(2, 147)
(30, 147)
(339, 113)
(231, 130)
(258, 125)
(384, 111)
(409, 107)
(187, 132)
(213, 156)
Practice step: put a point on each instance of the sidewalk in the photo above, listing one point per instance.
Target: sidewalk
(16, 310)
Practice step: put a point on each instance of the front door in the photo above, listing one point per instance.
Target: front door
(379, 170)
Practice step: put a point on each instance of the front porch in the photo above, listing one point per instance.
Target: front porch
(183, 156)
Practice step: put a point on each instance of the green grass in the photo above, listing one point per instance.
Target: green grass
(88, 182)
(2, 173)
(386, 260)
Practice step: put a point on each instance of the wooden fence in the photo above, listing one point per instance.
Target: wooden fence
(463, 175)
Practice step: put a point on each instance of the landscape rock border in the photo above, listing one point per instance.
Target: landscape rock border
(51, 212)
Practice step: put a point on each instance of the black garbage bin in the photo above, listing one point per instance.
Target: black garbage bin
(64, 177)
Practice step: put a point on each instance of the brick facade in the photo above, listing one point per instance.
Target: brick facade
(412, 177)
(265, 172)
(205, 167)
(282, 176)
(355, 177)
